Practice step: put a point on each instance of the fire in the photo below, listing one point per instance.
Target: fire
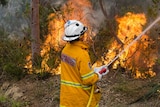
(53, 40)
(72, 10)
(28, 65)
(139, 57)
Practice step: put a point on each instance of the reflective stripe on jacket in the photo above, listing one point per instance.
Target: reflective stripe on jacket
(77, 77)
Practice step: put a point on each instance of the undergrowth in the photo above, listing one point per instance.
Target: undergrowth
(7, 102)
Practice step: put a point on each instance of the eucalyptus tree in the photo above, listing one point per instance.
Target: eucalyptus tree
(35, 32)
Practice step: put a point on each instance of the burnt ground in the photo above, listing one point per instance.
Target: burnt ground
(118, 90)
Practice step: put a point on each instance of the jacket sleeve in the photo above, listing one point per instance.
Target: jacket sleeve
(87, 74)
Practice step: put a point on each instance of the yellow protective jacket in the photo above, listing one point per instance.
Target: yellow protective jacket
(77, 77)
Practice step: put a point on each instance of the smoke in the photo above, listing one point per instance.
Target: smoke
(92, 10)
(88, 12)
(97, 17)
(115, 8)
(11, 18)
(52, 3)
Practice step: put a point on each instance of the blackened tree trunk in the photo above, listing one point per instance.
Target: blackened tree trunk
(35, 32)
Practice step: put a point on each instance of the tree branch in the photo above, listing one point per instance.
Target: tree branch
(112, 30)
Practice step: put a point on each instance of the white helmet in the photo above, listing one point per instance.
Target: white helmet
(73, 30)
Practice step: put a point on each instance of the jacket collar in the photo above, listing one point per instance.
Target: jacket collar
(80, 44)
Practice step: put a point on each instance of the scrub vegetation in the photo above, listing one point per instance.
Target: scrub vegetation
(19, 87)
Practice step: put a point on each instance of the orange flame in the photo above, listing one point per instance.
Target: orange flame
(73, 10)
(138, 57)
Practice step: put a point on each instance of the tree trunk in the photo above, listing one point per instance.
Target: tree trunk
(35, 32)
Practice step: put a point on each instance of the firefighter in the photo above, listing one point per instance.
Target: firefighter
(78, 79)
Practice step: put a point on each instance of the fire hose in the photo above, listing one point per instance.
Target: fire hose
(138, 37)
(128, 46)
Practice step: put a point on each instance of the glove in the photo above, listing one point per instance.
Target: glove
(103, 70)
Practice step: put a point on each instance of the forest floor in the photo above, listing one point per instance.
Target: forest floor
(118, 90)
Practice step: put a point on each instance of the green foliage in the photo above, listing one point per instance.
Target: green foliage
(44, 13)
(2, 33)
(37, 62)
(101, 43)
(43, 75)
(3, 2)
(152, 92)
(154, 8)
(54, 58)
(132, 9)
(12, 58)
(14, 70)
(122, 87)
(158, 61)
(155, 1)
(52, 62)
(26, 12)
(6, 102)
(3, 99)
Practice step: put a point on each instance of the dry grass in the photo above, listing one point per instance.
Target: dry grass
(117, 91)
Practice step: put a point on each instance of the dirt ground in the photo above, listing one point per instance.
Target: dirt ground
(118, 90)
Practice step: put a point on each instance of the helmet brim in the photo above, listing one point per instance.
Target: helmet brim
(69, 39)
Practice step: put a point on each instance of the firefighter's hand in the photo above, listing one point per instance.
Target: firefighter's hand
(103, 70)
